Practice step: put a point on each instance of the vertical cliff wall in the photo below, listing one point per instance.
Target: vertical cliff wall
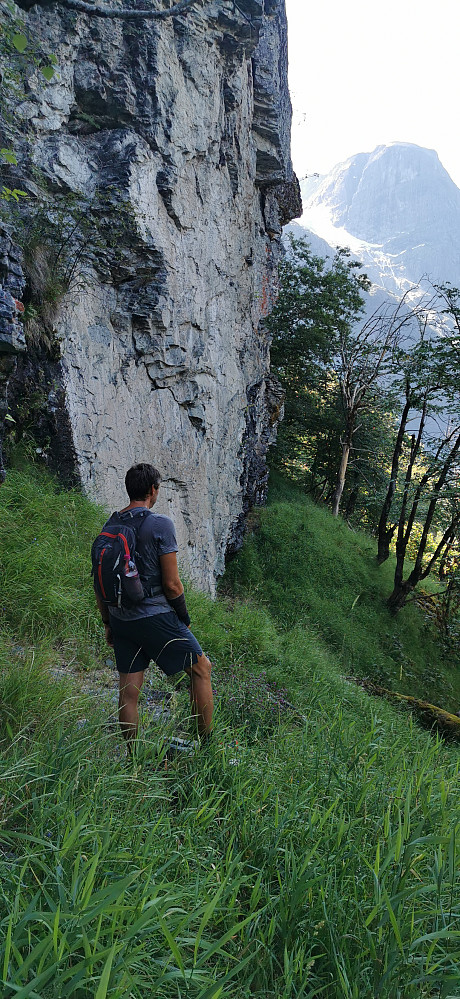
(12, 341)
(177, 135)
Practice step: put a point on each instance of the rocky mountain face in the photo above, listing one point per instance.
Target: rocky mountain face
(397, 209)
(161, 154)
(12, 340)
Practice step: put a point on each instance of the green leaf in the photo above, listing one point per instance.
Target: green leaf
(107, 897)
(7, 948)
(10, 418)
(172, 945)
(445, 934)
(216, 989)
(206, 917)
(394, 922)
(8, 156)
(20, 42)
(48, 72)
(216, 947)
(28, 991)
(7, 193)
(105, 977)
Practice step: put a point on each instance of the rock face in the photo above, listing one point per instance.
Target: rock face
(12, 340)
(176, 136)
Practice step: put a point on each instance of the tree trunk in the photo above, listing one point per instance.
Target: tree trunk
(384, 541)
(398, 598)
(428, 714)
(320, 491)
(346, 448)
(385, 533)
(352, 500)
(403, 587)
(442, 571)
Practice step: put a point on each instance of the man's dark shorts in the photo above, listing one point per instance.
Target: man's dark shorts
(161, 637)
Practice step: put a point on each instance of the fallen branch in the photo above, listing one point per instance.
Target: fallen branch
(429, 715)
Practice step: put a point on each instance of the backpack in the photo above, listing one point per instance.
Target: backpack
(113, 555)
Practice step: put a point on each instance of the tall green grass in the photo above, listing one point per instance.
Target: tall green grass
(45, 535)
(312, 850)
(319, 861)
(29, 696)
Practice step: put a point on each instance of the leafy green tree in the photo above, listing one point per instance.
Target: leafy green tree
(319, 301)
(332, 365)
(309, 446)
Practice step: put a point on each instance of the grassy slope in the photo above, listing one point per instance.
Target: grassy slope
(298, 857)
(312, 572)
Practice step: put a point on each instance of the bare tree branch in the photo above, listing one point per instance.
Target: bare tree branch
(364, 356)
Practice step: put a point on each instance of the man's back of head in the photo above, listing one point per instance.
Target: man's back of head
(139, 480)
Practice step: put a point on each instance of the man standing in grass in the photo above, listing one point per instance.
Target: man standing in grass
(158, 627)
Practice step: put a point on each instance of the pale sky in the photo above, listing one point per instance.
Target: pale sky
(372, 72)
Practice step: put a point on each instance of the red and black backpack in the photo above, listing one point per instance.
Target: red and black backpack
(113, 555)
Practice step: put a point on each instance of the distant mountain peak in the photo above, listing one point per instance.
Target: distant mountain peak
(398, 205)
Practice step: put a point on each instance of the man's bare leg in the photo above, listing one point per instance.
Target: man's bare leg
(201, 694)
(130, 687)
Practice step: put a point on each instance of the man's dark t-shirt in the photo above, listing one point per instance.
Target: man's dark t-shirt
(157, 537)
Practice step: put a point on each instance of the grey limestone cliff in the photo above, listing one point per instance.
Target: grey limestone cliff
(175, 135)
(12, 341)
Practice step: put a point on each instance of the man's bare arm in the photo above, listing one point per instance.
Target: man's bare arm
(170, 579)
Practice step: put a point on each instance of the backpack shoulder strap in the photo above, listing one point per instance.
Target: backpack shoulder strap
(134, 518)
(112, 521)
(138, 524)
(147, 514)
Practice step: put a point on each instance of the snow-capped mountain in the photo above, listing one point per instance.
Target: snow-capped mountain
(398, 211)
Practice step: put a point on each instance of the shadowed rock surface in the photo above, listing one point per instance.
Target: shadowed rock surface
(12, 340)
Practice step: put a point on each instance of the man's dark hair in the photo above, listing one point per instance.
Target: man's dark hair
(140, 479)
